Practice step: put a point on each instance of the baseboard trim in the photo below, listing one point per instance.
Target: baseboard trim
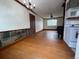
(51, 29)
(39, 31)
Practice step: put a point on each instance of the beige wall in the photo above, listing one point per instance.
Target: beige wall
(59, 23)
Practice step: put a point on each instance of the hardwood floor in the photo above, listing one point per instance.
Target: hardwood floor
(43, 45)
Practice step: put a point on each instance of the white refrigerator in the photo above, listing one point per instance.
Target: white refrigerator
(77, 48)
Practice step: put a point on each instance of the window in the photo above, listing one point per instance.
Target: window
(52, 22)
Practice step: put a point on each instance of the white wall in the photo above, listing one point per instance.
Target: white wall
(13, 16)
(59, 23)
(39, 24)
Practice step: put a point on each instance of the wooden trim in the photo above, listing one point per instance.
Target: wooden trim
(15, 30)
(27, 8)
(39, 31)
(50, 29)
(64, 6)
(53, 18)
(71, 18)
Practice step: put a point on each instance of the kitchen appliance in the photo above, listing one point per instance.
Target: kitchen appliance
(77, 48)
(70, 35)
(72, 12)
(71, 26)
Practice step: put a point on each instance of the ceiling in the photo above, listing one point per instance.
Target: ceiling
(45, 7)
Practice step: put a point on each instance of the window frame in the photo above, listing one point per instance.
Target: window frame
(53, 21)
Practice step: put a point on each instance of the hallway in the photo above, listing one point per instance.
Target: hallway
(43, 45)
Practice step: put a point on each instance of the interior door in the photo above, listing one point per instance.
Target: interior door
(32, 24)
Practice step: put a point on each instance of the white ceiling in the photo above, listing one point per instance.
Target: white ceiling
(45, 7)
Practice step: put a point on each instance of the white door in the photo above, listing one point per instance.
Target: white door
(77, 49)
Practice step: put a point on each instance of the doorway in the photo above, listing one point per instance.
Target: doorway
(32, 24)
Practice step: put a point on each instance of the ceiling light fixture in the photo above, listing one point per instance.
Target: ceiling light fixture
(51, 15)
(29, 4)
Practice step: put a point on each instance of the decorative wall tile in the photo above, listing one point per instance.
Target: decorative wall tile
(9, 36)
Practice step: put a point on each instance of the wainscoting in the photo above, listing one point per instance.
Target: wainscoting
(10, 37)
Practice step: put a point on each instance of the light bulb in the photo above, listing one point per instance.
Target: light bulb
(24, 1)
(34, 5)
(27, 6)
(31, 7)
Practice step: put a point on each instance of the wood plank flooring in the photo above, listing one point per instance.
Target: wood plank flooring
(43, 45)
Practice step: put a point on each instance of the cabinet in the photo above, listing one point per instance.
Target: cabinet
(72, 4)
(70, 36)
